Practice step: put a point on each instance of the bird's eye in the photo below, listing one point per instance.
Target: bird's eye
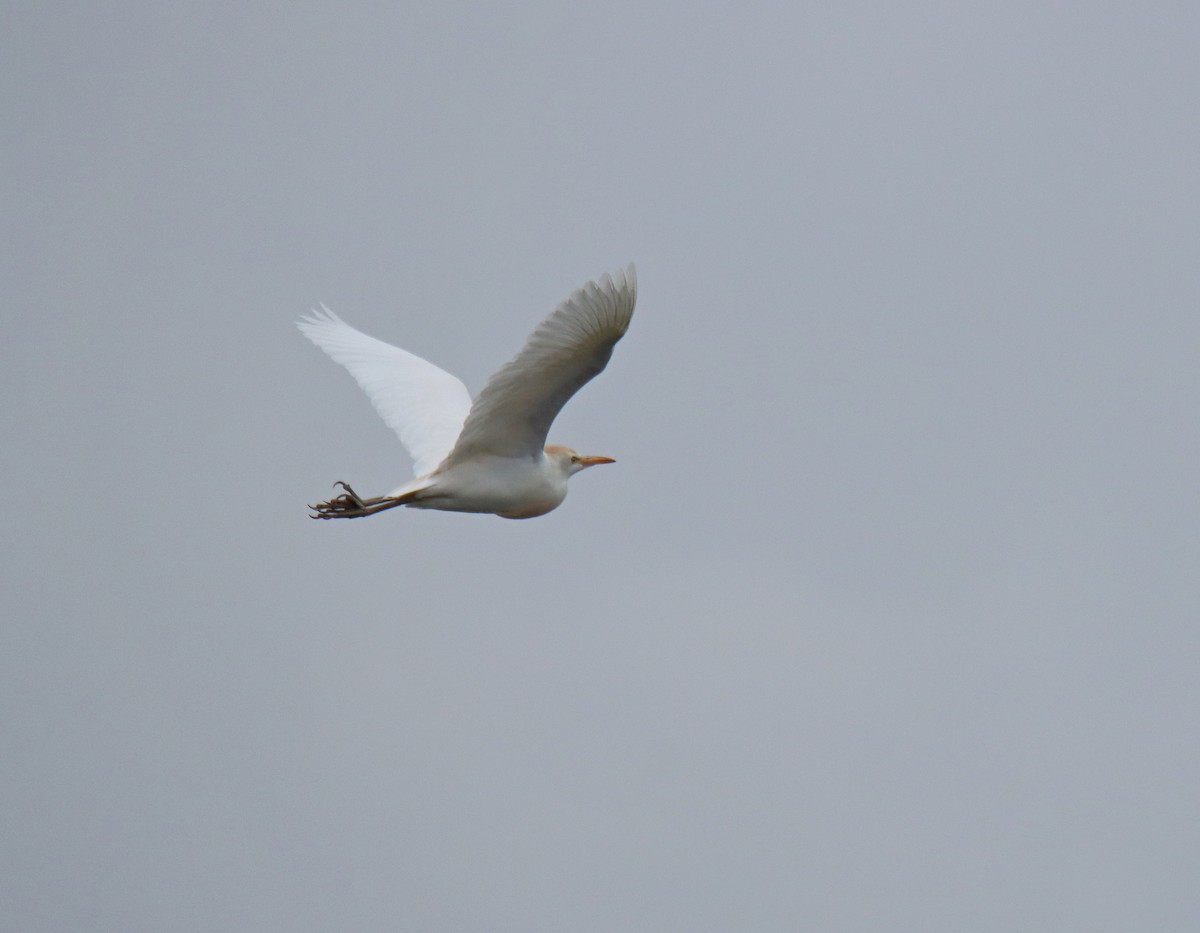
(574, 458)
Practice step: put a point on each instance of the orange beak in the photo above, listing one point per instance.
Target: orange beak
(592, 461)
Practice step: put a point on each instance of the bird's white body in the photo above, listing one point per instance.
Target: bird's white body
(490, 455)
(504, 486)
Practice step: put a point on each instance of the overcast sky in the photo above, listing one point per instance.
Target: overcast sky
(885, 619)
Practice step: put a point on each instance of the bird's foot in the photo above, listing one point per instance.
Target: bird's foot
(347, 505)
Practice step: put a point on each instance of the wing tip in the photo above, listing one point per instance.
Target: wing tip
(321, 326)
(623, 287)
(318, 316)
(622, 283)
(619, 281)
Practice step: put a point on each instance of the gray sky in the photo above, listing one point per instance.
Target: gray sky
(886, 619)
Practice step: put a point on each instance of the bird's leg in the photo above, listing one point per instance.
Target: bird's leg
(350, 494)
(350, 505)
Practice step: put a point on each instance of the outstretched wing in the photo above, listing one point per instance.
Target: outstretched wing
(425, 405)
(512, 414)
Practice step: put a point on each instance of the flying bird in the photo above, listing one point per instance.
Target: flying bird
(491, 455)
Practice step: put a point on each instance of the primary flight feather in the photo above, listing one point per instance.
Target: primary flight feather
(490, 456)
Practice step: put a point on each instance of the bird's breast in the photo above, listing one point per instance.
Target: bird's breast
(532, 508)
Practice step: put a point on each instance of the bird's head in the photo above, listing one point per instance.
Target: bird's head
(571, 462)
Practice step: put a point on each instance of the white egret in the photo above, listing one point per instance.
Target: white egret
(490, 456)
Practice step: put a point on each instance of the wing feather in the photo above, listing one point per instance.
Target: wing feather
(512, 415)
(423, 404)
